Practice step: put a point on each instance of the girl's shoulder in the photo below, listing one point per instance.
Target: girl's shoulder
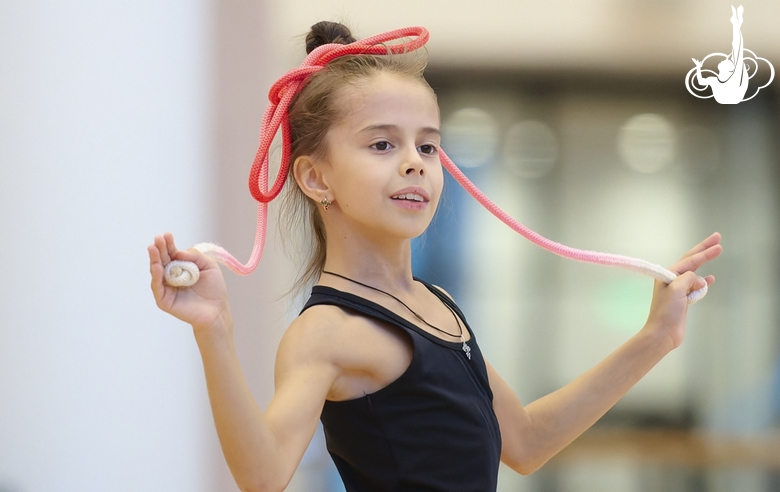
(323, 332)
(307, 347)
(447, 294)
(348, 340)
(315, 329)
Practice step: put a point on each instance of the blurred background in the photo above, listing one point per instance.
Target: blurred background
(119, 121)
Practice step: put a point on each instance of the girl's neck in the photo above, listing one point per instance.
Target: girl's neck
(382, 263)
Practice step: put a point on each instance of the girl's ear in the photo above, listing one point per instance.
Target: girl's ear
(310, 179)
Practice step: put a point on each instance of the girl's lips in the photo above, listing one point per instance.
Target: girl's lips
(410, 204)
(412, 190)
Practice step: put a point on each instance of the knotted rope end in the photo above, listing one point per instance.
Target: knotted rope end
(180, 273)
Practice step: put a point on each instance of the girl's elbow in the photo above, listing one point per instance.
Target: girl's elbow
(524, 469)
(262, 487)
(264, 484)
(525, 465)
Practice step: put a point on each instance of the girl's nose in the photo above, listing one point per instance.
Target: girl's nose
(413, 164)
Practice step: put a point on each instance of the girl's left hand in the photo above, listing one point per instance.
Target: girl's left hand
(670, 302)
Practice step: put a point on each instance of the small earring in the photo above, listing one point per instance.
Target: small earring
(325, 203)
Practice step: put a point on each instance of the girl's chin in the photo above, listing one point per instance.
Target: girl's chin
(407, 232)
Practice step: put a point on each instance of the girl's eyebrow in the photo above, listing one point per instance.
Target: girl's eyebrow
(427, 129)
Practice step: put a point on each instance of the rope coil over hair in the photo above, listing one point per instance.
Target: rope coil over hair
(185, 273)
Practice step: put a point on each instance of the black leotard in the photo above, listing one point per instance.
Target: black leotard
(432, 429)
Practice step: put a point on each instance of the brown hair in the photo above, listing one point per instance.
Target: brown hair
(311, 114)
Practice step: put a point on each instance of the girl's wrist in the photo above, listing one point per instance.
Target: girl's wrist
(221, 327)
(656, 338)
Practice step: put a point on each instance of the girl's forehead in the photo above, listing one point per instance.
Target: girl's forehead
(389, 99)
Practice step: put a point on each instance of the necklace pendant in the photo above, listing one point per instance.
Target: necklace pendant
(466, 348)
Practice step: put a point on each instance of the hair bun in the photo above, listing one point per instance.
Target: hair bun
(326, 32)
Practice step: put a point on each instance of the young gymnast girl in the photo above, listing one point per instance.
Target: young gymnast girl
(386, 361)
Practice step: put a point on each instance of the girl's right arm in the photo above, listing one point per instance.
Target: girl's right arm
(533, 434)
(262, 449)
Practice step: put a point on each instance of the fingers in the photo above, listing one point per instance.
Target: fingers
(154, 259)
(191, 254)
(168, 251)
(156, 269)
(201, 260)
(700, 254)
(169, 244)
(692, 263)
(164, 251)
(689, 282)
(162, 248)
(697, 283)
(161, 253)
(707, 243)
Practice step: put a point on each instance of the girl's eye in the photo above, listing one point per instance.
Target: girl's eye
(381, 146)
(427, 149)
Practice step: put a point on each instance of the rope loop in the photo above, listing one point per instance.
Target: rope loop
(283, 90)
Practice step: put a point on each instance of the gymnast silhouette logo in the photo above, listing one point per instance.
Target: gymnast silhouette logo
(730, 84)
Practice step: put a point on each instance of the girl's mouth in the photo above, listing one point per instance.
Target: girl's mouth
(410, 201)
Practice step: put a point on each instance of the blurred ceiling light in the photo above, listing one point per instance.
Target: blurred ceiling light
(699, 158)
(646, 143)
(470, 137)
(530, 149)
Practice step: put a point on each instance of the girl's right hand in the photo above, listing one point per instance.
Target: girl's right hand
(201, 305)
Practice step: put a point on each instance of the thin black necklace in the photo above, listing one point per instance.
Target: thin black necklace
(465, 347)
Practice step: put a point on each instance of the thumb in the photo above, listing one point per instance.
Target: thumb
(201, 260)
(689, 282)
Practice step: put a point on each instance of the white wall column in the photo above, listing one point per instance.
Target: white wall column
(104, 143)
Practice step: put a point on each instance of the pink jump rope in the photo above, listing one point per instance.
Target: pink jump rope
(185, 273)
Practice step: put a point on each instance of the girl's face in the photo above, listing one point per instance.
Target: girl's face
(382, 166)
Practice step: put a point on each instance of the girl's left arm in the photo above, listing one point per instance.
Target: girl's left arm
(533, 434)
